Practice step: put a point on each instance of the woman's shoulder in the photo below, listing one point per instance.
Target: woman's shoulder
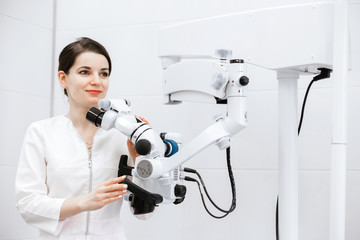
(51, 122)
(46, 127)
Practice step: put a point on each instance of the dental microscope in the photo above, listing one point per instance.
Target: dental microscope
(158, 170)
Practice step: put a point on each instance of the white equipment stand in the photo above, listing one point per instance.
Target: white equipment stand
(288, 155)
(339, 137)
(292, 40)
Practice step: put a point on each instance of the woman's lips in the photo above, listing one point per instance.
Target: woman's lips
(94, 92)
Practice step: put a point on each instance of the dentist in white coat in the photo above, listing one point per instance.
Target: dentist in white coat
(66, 183)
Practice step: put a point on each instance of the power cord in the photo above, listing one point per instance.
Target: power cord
(324, 73)
(233, 188)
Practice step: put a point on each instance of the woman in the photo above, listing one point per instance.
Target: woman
(66, 183)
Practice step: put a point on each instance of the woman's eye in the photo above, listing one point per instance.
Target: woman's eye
(84, 72)
(104, 74)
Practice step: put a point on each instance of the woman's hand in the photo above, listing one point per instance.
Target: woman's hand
(131, 146)
(107, 192)
(132, 150)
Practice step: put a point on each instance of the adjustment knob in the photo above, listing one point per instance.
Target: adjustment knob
(143, 147)
(171, 147)
(180, 190)
(244, 80)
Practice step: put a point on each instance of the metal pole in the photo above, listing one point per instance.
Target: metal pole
(288, 155)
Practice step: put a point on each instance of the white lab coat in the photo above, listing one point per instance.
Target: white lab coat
(55, 165)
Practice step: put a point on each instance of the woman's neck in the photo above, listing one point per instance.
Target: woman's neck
(77, 115)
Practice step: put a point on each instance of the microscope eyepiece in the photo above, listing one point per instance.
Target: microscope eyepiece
(95, 116)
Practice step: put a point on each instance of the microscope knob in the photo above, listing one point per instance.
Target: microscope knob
(244, 80)
(143, 147)
(180, 190)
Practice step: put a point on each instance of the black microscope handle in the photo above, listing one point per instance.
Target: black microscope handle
(143, 194)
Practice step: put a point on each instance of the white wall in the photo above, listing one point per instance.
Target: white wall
(25, 92)
(129, 30)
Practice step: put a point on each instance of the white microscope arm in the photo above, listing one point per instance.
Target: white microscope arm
(219, 133)
(213, 80)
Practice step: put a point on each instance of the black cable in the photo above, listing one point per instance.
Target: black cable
(207, 194)
(203, 200)
(232, 180)
(277, 218)
(303, 105)
(324, 73)
(233, 188)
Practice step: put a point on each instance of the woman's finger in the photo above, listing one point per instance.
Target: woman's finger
(114, 194)
(113, 181)
(114, 187)
(110, 200)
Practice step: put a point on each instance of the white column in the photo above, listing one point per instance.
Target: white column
(339, 136)
(288, 155)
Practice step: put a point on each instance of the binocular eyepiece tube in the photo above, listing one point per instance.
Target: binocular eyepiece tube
(95, 116)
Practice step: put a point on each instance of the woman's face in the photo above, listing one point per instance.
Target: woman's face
(88, 79)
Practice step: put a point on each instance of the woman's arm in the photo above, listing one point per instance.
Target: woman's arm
(32, 201)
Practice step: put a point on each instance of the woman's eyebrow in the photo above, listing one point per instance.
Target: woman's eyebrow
(86, 67)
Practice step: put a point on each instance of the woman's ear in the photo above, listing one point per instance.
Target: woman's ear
(62, 79)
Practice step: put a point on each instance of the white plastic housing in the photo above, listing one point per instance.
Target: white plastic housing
(307, 28)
